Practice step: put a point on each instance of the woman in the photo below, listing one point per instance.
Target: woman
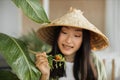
(74, 37)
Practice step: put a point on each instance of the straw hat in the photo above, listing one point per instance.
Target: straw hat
(73, 18)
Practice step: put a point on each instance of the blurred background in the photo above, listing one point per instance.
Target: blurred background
(104, 14)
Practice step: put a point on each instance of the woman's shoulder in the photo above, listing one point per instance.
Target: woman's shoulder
(99, 66)
(94, 55)
(95, 58)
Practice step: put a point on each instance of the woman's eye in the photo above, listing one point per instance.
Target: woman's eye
(63, 32)
(77, 35)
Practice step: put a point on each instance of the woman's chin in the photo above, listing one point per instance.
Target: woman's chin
(66, 53)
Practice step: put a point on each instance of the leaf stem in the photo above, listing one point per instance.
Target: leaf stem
(33, 52)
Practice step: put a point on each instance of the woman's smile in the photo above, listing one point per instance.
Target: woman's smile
(67, 47)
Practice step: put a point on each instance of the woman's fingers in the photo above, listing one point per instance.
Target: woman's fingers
(41, 59)
(42, 63)
(41, 54)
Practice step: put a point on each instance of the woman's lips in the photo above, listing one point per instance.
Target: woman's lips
(67, 47)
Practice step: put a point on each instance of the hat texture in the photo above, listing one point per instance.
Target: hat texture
(74, 18)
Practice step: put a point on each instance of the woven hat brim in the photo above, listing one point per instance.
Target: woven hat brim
(98, 40)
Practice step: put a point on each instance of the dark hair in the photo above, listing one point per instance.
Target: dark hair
(60, 71)
(82, 69)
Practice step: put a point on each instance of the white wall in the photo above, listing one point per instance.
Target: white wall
(113, 33)
(10, 22)
(113, 24)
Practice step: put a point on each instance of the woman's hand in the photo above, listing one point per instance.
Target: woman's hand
(43, 65)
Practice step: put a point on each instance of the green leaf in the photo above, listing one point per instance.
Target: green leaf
(33, 10)
(16, 55)
(10, 75)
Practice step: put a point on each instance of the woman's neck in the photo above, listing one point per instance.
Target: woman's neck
(69, 58)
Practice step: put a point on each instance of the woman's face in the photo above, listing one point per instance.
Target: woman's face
(70, 40)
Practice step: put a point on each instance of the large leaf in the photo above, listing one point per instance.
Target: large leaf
(16, 54)
(33, 10)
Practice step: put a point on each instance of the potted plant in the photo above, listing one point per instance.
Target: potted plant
(17, 51)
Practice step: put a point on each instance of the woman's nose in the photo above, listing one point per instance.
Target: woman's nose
(68, 39)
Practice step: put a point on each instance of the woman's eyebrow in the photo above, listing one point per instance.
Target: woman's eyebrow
(78, 30)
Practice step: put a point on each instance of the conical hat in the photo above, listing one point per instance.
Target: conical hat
(73, 18)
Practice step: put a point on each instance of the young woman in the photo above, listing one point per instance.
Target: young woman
(74, 37)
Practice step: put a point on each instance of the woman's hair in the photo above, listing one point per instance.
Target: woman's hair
(82, 69)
